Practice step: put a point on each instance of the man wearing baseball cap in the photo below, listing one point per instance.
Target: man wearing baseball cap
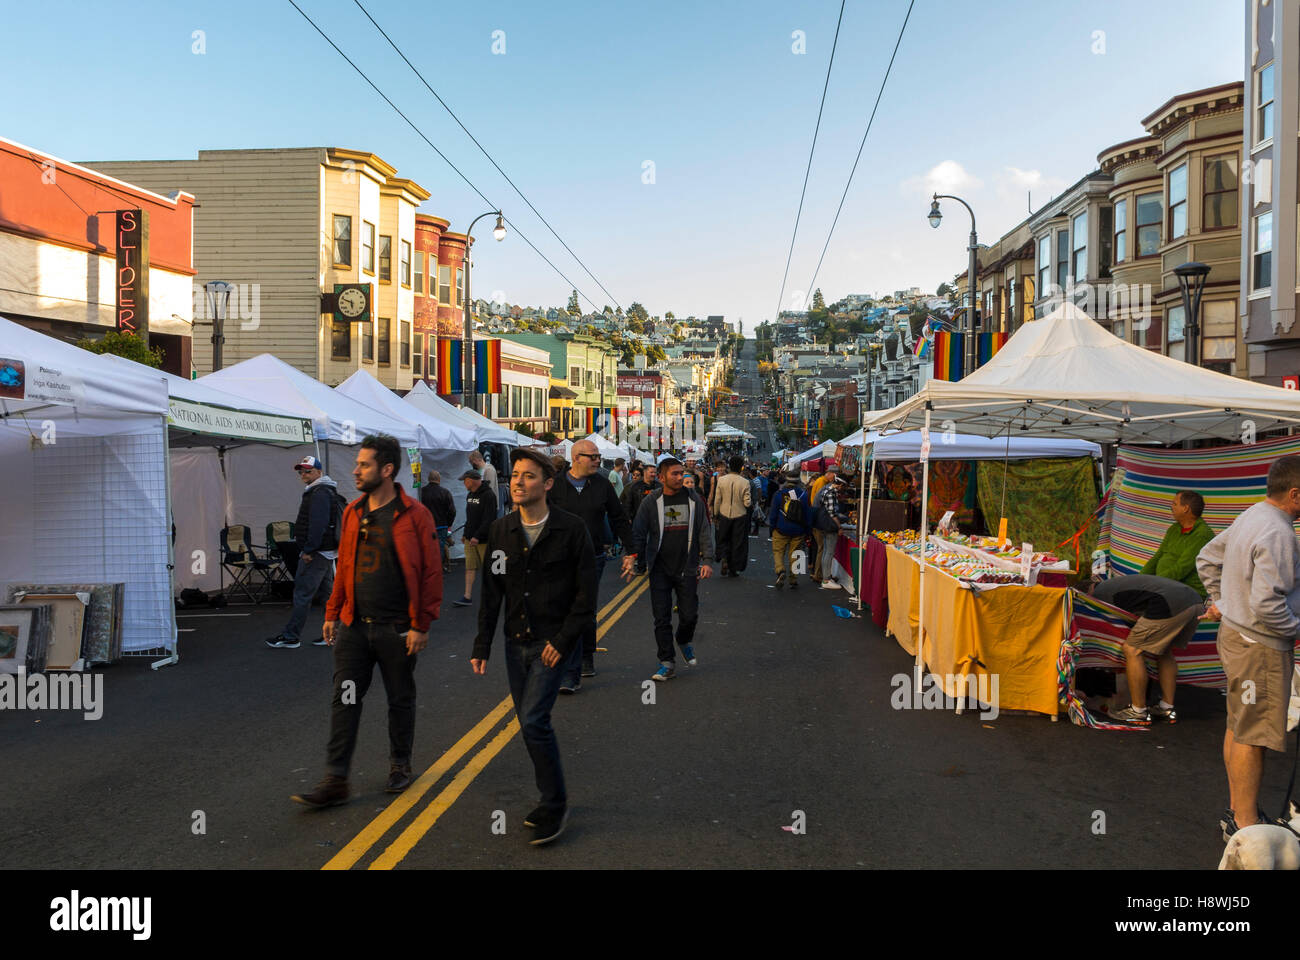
(316, 532)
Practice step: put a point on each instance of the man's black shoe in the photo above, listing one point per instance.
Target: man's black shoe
(399, 778)
(570, 686)
(284, 642)
(330, 792)
(589, 667)
(549, 827)
(534, 817)
(319, 642)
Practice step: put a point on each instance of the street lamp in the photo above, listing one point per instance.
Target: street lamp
(499, 232)
(1191, 281)
(218, 295)
(935, 218)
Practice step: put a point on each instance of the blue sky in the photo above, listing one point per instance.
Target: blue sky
(987, 100)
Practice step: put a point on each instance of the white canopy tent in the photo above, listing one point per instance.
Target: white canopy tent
(486, 430)
(821, 450)
(86, 487)
(609, 450)
(965, 446)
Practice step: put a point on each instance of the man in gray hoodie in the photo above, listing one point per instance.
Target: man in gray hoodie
(1251, 572)
(316, 532)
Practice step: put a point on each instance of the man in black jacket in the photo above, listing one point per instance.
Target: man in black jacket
(541, 565)
(317, 535)
(583, 492)
(437, 500)
(480, 511)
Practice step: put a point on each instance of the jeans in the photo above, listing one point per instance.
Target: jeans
(534, 688)
(314, 578)
(662, 587)
(356, 651)
(828, 554)
(444, 545)
(585, 651)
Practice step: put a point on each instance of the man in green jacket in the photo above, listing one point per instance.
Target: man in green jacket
(1175, 558)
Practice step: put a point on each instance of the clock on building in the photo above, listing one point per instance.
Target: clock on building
(352, 301)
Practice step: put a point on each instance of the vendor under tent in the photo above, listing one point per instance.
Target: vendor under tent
(87, 497)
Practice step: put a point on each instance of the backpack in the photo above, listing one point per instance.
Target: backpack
(330, 539)
(792, 510)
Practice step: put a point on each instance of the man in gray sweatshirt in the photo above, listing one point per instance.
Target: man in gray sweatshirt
(1251, 572)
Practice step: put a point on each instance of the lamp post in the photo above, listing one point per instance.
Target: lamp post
(1191, 281)
(218, 295)
(972, 281)
(499, 232)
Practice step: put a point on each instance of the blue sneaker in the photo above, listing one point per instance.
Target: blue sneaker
(688, 654)
(666, 671)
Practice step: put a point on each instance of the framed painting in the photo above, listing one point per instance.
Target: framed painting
(15, 637)
(67, 627)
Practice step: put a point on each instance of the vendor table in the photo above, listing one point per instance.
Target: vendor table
(875, 574)
(1012, 632)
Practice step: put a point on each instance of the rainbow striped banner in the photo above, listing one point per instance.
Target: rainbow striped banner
(948, 355)
(487, 366)
(450, 366)
(988, 345)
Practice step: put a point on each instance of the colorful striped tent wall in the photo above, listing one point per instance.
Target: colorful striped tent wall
(487, 366)
(948, 355)
(450, 366)
(988, 345)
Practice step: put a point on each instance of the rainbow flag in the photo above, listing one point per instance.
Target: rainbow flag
(451, 366)
(988, 345)
(487, 366)
(922, 348)
(948, 355)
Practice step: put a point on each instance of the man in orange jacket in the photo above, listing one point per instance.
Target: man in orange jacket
(387, 591)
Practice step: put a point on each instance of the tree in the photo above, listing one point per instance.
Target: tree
(523, 429)
(818, 301)
(123, 344)
(669, 316)
(945, 290)
(638, 313)
(574, 309)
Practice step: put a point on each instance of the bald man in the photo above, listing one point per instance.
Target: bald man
(584, 492)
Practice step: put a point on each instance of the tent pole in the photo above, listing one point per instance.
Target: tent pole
(864, 509)
(925, 535)
(171, 552)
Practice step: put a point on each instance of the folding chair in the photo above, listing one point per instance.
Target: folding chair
(250, 574)
(281, 551)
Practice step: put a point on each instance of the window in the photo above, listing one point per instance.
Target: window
(1121, 230)
(1264, 105)
(1263, 259)
(419, 271)
(444, 284)
(386, 259)
(575, 376)
(1105, 226)
(1178, 202)
(385, 332)
(540, 400)
(528, 403)
(367, 247)
(1177, 338)
(1011, 303)
(1044, 263)
(590, 380)
(1220, 207)
(515, 401)
(341, 340)
(404, 247)
(1080, 258)
(405, 356)
(555, 419)
(342, 241)
(417, 361)
(460, 286)
(1149, 212)
(367, 340)
(1062, 257)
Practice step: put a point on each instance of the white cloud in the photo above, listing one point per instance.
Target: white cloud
(946, 177)
(1013, 184)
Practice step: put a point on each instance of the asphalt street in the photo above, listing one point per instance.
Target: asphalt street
(786, 723)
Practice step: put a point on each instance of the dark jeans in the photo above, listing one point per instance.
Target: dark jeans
(587, 649)
(733, 542)
(534, 688)
(662, 588)
(312, 579)
(356, 651)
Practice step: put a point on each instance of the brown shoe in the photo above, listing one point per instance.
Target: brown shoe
(330, 792)
(399, 778)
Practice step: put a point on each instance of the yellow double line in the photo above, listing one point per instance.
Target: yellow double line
(375, 831)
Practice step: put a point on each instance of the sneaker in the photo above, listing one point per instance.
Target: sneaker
(399, 778)
(462, 602)
(794, 582)
(1164, 713)
(830, 585)
(666, 671)
(535, 817)
(548, 828)
(780, 580)
(1131, 714)
(589, 667)
(284, 642)
(319, 642)
(571, 686)
(330, 792)
(1228, 824)
(688, 654)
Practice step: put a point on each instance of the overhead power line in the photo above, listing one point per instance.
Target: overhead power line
(785, 276)
(420, 134)
(483, 150)
(849, 182)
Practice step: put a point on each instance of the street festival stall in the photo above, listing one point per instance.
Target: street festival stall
(86, 492)
(1061, 376)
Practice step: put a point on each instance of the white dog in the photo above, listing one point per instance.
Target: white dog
(1264, 846)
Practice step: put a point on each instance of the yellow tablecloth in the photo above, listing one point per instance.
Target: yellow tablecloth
(1012, 632)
